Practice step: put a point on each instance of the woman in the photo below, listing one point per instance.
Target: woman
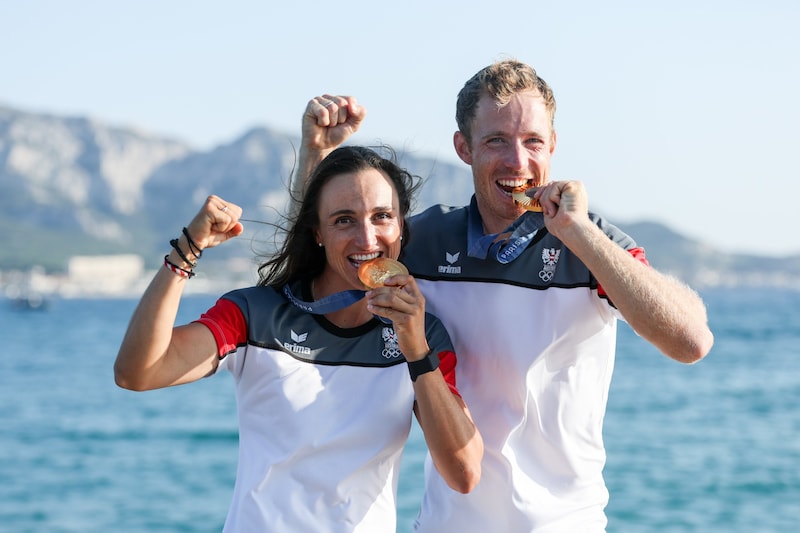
(323, 396)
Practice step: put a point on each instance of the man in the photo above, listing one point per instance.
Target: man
(531, 300)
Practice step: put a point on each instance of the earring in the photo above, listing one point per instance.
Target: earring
(319, 244)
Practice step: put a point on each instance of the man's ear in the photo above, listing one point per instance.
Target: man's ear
(462, 147)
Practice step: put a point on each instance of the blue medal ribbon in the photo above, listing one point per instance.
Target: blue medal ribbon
(504, 250)
(330, 303)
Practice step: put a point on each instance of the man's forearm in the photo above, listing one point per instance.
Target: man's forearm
(660, 308)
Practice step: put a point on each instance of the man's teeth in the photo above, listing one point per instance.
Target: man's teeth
(513, 184)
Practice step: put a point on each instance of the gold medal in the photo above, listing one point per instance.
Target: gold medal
(522, 199)
(373, 273)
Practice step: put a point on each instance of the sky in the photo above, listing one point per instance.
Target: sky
(682, 112)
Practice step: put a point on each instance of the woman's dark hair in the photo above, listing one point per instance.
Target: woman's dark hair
(300, 257)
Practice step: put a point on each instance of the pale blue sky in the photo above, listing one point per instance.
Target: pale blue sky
(683, 112)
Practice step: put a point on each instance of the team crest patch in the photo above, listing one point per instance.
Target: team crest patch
(549, 258)
(391, 350)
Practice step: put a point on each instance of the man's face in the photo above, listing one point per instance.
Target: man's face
(511, 147)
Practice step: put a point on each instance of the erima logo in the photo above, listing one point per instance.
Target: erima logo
(449, 268)
(293, 346)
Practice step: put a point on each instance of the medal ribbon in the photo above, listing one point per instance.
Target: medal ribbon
(330, 303)
(504, 250)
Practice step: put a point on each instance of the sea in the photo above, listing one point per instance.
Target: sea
(709, 447)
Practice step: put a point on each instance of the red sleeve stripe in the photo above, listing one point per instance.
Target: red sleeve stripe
(227, 324)
(447, 366)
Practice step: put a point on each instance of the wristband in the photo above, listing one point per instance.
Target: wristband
(429, 363)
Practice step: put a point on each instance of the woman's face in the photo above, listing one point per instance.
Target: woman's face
(360, 219)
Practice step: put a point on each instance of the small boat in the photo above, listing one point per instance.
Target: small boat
(29, 292)
(32, 301)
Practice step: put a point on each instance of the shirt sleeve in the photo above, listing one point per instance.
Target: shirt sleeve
(447, 365)
(227, 324)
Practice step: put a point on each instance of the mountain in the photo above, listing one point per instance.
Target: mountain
(76, 186)
(701, 265)
(73, 186)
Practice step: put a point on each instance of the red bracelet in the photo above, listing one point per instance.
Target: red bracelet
(182, 272)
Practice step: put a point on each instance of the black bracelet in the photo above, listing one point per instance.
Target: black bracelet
(429, 363)
(174, 243)
(198, 253)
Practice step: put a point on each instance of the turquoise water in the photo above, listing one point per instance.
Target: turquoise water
(710, 447)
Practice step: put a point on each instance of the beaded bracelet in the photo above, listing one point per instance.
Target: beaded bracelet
(182, 272)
